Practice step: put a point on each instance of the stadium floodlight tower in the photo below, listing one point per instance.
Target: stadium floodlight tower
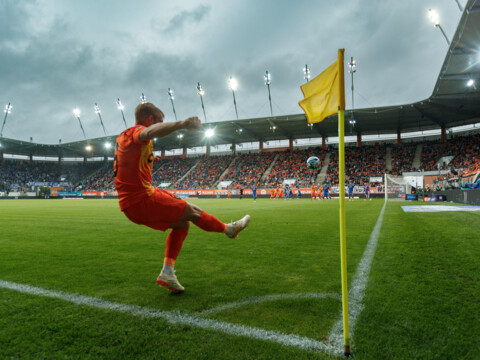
(268, 82)
(200, 93)
(97, 110)
(433, 15)
(143, 98)
(8, 110)
(352, 69)
(233, 84)
(76, 112)
(306, 73)
(121, 107)
(171, 97)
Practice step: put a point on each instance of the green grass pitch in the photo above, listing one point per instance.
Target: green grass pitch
(422, 300)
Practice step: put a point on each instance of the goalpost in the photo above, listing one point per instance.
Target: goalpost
(395, 186)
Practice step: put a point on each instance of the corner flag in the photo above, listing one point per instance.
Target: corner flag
(321, 95)
(324, 96)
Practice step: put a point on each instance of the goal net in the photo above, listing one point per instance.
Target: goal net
(395, 187)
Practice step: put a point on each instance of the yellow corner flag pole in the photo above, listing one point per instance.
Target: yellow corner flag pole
(341, 185)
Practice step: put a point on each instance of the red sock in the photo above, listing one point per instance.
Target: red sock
(174, 244)
(209, 222)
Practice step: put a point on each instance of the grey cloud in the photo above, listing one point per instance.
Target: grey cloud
(179, 21)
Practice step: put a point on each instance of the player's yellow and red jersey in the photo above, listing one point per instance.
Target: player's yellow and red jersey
(314, 191)
(132, 167)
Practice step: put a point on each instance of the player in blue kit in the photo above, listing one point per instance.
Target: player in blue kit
(254, 193)
(351, 187)
(326, 195)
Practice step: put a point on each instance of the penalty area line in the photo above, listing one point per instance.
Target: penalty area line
(177, 318)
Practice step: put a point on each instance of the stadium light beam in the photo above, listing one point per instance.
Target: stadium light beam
(233, 84)
(434, 17)
(97, 110)
(76, 113)
(268, 82)
(8, 110)
(121, 107)
(200, 93)
(171, 97)
(306, 72)
(352, 70)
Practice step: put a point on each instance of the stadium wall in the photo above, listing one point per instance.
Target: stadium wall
(471, 197)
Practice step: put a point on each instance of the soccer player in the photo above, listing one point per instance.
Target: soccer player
(254, 193)
(326, 195)
(229, 194)
(350, 186)
(366, 190)
(241, 193)
(158, 209)
(313, 194)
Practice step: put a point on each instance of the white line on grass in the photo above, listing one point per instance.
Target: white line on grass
(260, 299)
(358, 286)
(177, 318)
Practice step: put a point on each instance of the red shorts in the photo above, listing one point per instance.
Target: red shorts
(159, 211)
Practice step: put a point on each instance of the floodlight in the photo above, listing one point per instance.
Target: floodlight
(470, 82)
(232, 82)
(170, 94)
(97, 109)
(306, 71)
(267, 78)
(352, 122)
(180, 136)
(433, 16)
(88, 147)
(120, 105)
(76, 112)
(209, 133)
(143, 99)
(200, 91)
(8, 109)
(108, 145)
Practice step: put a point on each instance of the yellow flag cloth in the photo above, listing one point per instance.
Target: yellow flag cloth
(321, 95)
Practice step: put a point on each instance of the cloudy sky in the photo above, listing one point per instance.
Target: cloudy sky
(56, 55)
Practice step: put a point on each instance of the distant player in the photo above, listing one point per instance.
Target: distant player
(285, 192)
(299, 193)
(254, 193)
(351, 187)
(313, 194)
(158, 209)
(366, 191)
(272, 194)
(229, 194)
(241, 193)
(320, 192)
(326, 194)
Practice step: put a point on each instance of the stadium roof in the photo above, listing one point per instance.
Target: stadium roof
(451, 104)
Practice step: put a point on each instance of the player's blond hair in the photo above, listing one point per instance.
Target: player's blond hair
(142, 111)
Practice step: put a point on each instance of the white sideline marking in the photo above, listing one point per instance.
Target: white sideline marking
(177, 318)
(358, 286)
(260, 299)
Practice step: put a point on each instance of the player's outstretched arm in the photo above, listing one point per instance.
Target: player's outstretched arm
(160, 130)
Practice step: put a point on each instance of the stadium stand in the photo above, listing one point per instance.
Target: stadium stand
(247, 169)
